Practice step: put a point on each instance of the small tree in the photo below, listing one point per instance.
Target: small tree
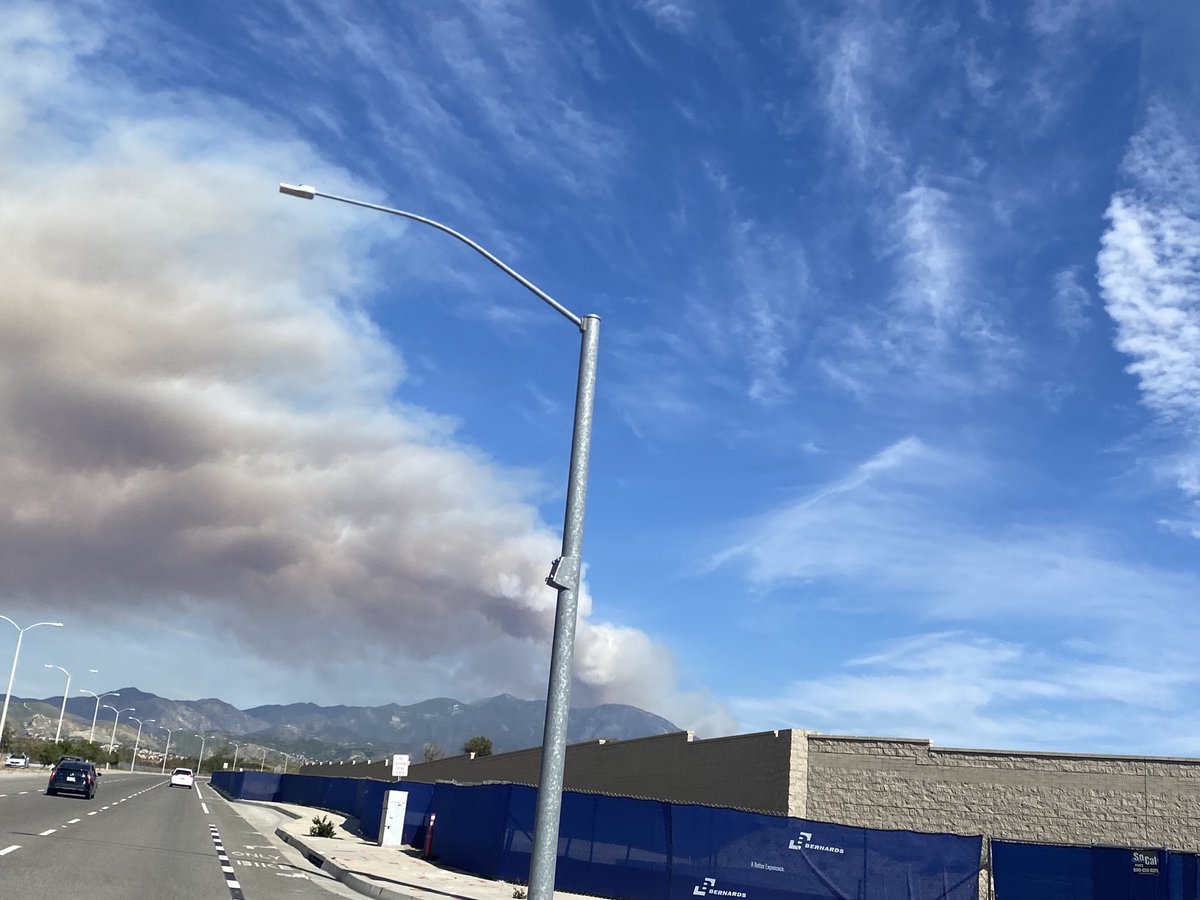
(432, 751)
(479, 745)
(48, 754)
(6, 739)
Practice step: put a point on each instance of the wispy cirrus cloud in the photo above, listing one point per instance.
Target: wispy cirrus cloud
(1149, 270)
(961, 688)
(901, 535)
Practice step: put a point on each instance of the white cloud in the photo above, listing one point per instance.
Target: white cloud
(1070, 302)
(963, 689)
(1149, 266)
(899, 536)
(199, 410)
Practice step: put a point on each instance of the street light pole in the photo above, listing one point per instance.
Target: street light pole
(95, 715)
(137, 742)
(17, 655)
(167, 751)
(264, 759)
(200, 758)
(112, 741)
(565, 571)
(236, 748)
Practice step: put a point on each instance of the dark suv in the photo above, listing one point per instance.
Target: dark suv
(75, 777)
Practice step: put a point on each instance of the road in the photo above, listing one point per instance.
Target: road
(140, 839)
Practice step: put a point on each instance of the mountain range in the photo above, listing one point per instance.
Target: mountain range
(334, 732)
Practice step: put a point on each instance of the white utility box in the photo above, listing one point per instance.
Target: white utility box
(391, 825)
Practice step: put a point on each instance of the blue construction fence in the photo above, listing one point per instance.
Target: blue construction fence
(1050, 872)
(646, 849)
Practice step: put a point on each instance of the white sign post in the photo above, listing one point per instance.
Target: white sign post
(391, 826)
(399, 765)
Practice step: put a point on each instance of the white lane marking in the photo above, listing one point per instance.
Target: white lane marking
(204, 806)
(92, 813)
(8, 850)
(75, 821)
(199, 796)
(229, 882)
(48, 832)
(104, 807)
(24, 792)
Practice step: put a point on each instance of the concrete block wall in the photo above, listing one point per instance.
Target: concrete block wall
(1033, 796)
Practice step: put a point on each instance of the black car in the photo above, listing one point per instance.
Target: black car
(74, 777)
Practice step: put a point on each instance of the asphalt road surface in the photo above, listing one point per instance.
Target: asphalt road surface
(140, 838)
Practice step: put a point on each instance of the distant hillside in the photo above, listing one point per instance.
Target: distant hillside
(346, 731)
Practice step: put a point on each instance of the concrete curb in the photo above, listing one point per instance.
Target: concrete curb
(351, 879)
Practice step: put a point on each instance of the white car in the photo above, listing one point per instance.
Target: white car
(182, 778)
(17, 761)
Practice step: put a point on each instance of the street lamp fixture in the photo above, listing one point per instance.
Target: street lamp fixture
(112, 741)
(200, 758)
(236, 748)
(565, 571)
(167, 751)
(99, 697)
(137, 743)
(66, 693)
(17, 655)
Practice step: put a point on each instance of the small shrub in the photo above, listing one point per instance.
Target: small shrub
(520, 893)
(321, 827)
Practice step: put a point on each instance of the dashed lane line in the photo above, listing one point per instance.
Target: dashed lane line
(8, 850)
(75, 821)
(48, 832)
(204, 806)
(231, 882)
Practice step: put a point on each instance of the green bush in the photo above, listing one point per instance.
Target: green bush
(321, 827)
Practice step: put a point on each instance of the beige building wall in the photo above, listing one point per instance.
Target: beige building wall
(875, 782)
(1029, 796)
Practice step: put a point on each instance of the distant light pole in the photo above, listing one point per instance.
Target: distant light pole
(66, 693)
(167, 751)
(99, 697)
(286, 759)
(236, 748)
(264, 759)
(200, 759)
(17, 655)
(137, 742)
(565, 571)
(112, 742)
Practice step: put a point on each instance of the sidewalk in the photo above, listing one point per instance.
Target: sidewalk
(389, 873)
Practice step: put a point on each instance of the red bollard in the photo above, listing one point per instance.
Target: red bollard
(429, 835)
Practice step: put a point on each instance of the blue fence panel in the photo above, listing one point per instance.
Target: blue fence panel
(470, 826)
(342, 794)
(257, 785)
(1184, 878)
(722, 853)
(726, 853)
(612, 846)
(928, 866)
(1050, 872)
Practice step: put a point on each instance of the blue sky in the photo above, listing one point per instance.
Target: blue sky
(896, 426)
